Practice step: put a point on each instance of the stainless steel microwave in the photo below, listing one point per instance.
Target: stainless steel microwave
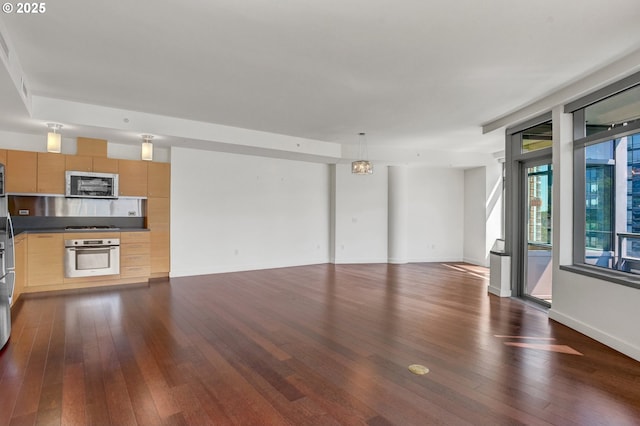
(91, 185)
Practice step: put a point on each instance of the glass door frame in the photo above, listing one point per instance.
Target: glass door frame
(515, 189)
(520, 289)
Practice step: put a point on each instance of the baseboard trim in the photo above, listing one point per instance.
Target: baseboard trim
(596, 334)
(499, 292)
(479, 262)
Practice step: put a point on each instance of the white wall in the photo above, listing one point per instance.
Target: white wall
(474, 250)
(600, 309)
(493, 206)
(361, 216)
(436, 214)
(232, 212)
(25, 142)
(482, 211)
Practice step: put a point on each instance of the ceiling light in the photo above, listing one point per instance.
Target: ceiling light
(54, 140)
(147, 148)
(362, 166)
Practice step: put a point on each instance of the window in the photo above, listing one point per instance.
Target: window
(537, 137)
(607, 179)
(615, 111)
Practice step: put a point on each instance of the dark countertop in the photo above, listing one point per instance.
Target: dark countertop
(62, 230)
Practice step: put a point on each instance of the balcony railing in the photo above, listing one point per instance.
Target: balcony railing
(628, 254)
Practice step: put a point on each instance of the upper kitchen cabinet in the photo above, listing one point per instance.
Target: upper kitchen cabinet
(84, 163)
(92, 147)
(51, 167)
(21, 172)
(105, 165)
(3, 156)
(133, 178)
(79, 163)
(159, 179)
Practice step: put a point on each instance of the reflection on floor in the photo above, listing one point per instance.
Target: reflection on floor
(535, 344)
(475, 270)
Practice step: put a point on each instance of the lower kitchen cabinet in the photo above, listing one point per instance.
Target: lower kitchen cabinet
(135, 254)
(20, 246)
(158, 221)
(45, 259)
(40, 261)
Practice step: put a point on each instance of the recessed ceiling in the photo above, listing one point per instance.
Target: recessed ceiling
(415, 75)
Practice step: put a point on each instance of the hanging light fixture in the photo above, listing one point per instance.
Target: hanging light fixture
(54, 140)
(363, 166)
(147, 148)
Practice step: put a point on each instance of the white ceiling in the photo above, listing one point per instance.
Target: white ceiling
(417, 76)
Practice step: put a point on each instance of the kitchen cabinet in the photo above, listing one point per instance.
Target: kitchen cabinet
(91, 147)
(158, 222)
(45, 254)
(133, 178)
(158, 216)
(159, 179)
(81, 163)
(3, 156)
(105, 165)
(85, 163)
(21, 172)
(20, 245)
(135, 254)
(50, 173)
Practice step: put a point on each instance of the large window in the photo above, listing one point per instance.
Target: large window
(607, 179)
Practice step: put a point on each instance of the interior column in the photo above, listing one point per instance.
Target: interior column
(398, 214)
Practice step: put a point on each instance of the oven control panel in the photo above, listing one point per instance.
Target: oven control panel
(92, 243)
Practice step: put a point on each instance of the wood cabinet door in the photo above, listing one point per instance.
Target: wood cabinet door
(46, 259)
(158, 213)
(134, 254)
(158, 221)
(51, 169)
(133, 178)
(160, 251)
(80, 163)
(22, 171)
(105, 165)
(138, 237)
(159, 179)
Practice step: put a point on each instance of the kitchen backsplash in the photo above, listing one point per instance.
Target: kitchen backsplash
(51, 212)
(56, 206)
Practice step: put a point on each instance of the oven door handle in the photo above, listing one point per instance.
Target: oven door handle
(92, 248)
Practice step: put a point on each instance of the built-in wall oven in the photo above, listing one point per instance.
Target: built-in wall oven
(92, 257)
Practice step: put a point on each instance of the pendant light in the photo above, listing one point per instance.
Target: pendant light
(362, 166)
(147, 148)
(54, 140)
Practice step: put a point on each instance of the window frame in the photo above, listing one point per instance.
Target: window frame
(580, 143)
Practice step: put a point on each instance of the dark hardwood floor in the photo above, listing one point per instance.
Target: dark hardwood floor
(323, 344)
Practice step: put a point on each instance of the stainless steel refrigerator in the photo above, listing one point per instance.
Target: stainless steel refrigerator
(7, 265)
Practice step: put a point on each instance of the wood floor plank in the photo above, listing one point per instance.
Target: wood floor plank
(73, 395)
(311, 345)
